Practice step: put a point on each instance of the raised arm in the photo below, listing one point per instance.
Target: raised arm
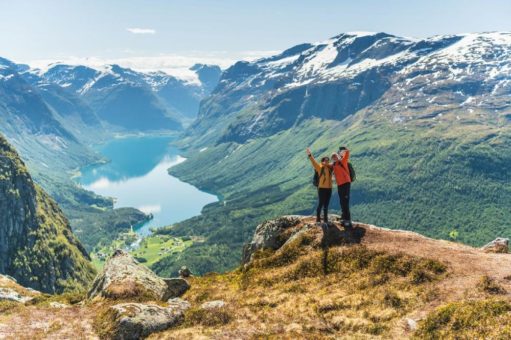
(313, 161)
(345, 157)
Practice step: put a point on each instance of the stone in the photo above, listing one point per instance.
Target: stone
(8, 294)
(410, 324)
(213, 304)
(499, 245)
(179, 303)
(58, 305)
(268, 235)
(184, 272)
(124, 277)
(131, 321)
(176, 287)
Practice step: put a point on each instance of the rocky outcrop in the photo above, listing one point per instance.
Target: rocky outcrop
(270, 235)
(124, 277)
(37, 246)
(10, 290)
(499, 245)
(128, 321)
(276, 234)
(176, 286)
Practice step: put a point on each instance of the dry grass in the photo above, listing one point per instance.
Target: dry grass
(483, 319)
(306, 291)
(490, 286)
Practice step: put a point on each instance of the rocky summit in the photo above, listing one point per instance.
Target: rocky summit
(298, 280)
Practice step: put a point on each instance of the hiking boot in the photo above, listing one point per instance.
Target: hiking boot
(347, 224)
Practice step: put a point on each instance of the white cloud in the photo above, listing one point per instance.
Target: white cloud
(174, 64)
(136, 30)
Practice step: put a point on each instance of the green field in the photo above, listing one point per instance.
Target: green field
(151, 248)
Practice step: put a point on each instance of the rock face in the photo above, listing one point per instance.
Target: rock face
(276, 234)
(499, 245)
(270, 235)
(135, 320)
(176, 286)
(37, 246)
(124, 277)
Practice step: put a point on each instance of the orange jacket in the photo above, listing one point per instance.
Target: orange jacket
(341, 170)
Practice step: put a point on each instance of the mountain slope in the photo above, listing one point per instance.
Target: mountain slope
(427, 122)
(37, 245)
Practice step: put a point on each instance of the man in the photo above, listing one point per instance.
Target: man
(343, 179)
(324, 171)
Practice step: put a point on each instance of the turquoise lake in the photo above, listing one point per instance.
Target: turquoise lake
(137, 176)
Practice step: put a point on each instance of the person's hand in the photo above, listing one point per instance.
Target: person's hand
(308, 151)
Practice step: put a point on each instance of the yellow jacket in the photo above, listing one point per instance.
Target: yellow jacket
(324, 173)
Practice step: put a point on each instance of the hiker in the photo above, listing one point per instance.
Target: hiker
(343, 175)
(324, 184)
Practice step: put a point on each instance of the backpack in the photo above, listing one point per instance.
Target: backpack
(353, 175)
(315, 179)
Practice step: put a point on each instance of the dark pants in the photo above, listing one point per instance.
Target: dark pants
(344, 197)
(323, 202)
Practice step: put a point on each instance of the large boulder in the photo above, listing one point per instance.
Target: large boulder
(499, 245)
(270, 235)
(127, 321)
(124, 277)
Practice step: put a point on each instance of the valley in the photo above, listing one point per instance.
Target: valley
(136, 176)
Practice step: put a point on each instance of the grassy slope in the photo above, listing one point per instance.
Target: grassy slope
(430, 177)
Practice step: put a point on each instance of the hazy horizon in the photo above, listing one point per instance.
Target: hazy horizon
(172, 36)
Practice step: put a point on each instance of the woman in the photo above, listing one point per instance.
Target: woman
(324, 171)
(343, 178)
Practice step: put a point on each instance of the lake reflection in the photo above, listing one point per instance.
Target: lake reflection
(137, 176)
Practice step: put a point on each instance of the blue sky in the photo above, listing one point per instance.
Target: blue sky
(217, 30)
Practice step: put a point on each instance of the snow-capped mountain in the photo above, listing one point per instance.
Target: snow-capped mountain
(400, 78)
(33, 119)
(163, 94)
